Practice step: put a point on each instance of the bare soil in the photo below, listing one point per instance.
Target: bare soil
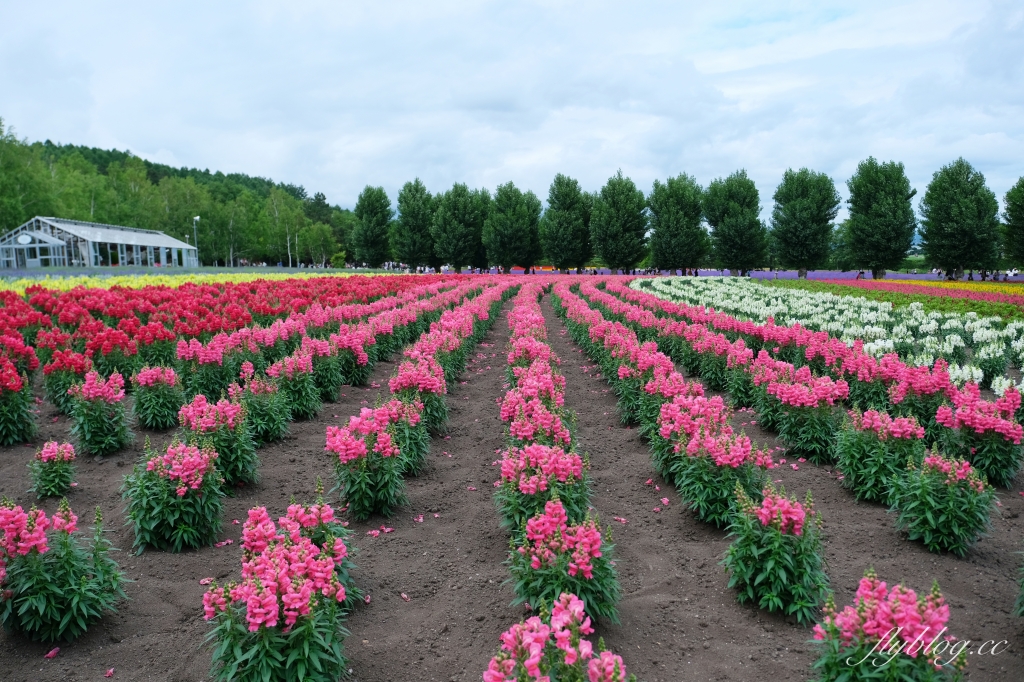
(679, 620)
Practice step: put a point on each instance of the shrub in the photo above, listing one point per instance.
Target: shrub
(204, 367)
(283, 621)
(944, 503)
(554, 557)
(53, 588)
(423, 381)
(294, 376)
(99, 421)
(368, 465)
(807, 424)
(533, 476)
(328, 375)
(174, 499)
(158, 397)
(65, 369)
(17, 423)
(52, 470)
(775, 560)
(223, 427)
(872, 450)
(409, 434)
(266, 408)
(705, 460)
(888, 635)
(985, 433)
(551, 646)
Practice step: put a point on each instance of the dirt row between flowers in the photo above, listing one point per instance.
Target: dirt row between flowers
(679, 618)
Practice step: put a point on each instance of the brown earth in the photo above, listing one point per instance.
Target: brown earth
(679, 620)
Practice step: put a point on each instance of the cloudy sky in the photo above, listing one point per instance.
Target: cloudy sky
(338, 95)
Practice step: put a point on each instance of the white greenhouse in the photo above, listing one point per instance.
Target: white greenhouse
(56, 242)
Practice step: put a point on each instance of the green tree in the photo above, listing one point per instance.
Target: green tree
(806, 203)
(1013, 228)
(370, 236)
(411, 242)
(565, 226)
(458, 224)
(511, 233)
(317, 209)
(882, 222)
(959, 219)
(678, 239)
(280, 221)
(618, 224)
(24, 182)
(316, 244)
(732, 207)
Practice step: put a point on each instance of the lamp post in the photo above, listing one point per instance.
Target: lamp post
(195, 237)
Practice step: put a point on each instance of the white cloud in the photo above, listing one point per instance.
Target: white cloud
(335, 96)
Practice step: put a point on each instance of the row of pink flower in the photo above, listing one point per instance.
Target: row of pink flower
(531, 467)
(349, 442)
(524, 645)
(202, 416)
(22, 532)
(698, 425)
(787, 514)
(885, 427)
(156, 376)
(185, 465)
(95, 387)
(283, 572)
(901, 379)
(879, 614)
(56, 452)
(955, 470)
(548, 535)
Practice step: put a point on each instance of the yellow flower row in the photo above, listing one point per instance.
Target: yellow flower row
(1009, 288)
(140, 281)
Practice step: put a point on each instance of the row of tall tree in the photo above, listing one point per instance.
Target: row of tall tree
(678, 224)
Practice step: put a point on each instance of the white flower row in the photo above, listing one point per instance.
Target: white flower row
(917, 336)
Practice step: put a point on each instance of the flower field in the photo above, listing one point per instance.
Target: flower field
(505, 478)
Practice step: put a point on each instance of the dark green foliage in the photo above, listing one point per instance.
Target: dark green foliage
(945, 517)
(309, 652)
(99, 428)
(328, 376)
(267, 415)
(777, 571)
(411, 242)
(517, 507)
(565, 226)
(535, 586)
(17, 423)
(1013, 226)
(809, 432)
(51, 479)
(56, 385)
(156, 407)
(869, 465)
(959, 219)
(806, 203)
(510, 232)
(990, 453)
(457, 226)
(370, 236)
(371, 485)
(301, 395)
(678, 240)
(162, 519)
(710, 490)
(237, 460)
(413, 443)
(435, 412)
(738, 237)
(57, 595)
(881, 226)
(618, 224)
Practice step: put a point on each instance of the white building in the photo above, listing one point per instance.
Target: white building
(56, 242)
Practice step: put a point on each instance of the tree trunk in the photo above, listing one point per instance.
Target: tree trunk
(801, 274)
(877, 274)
